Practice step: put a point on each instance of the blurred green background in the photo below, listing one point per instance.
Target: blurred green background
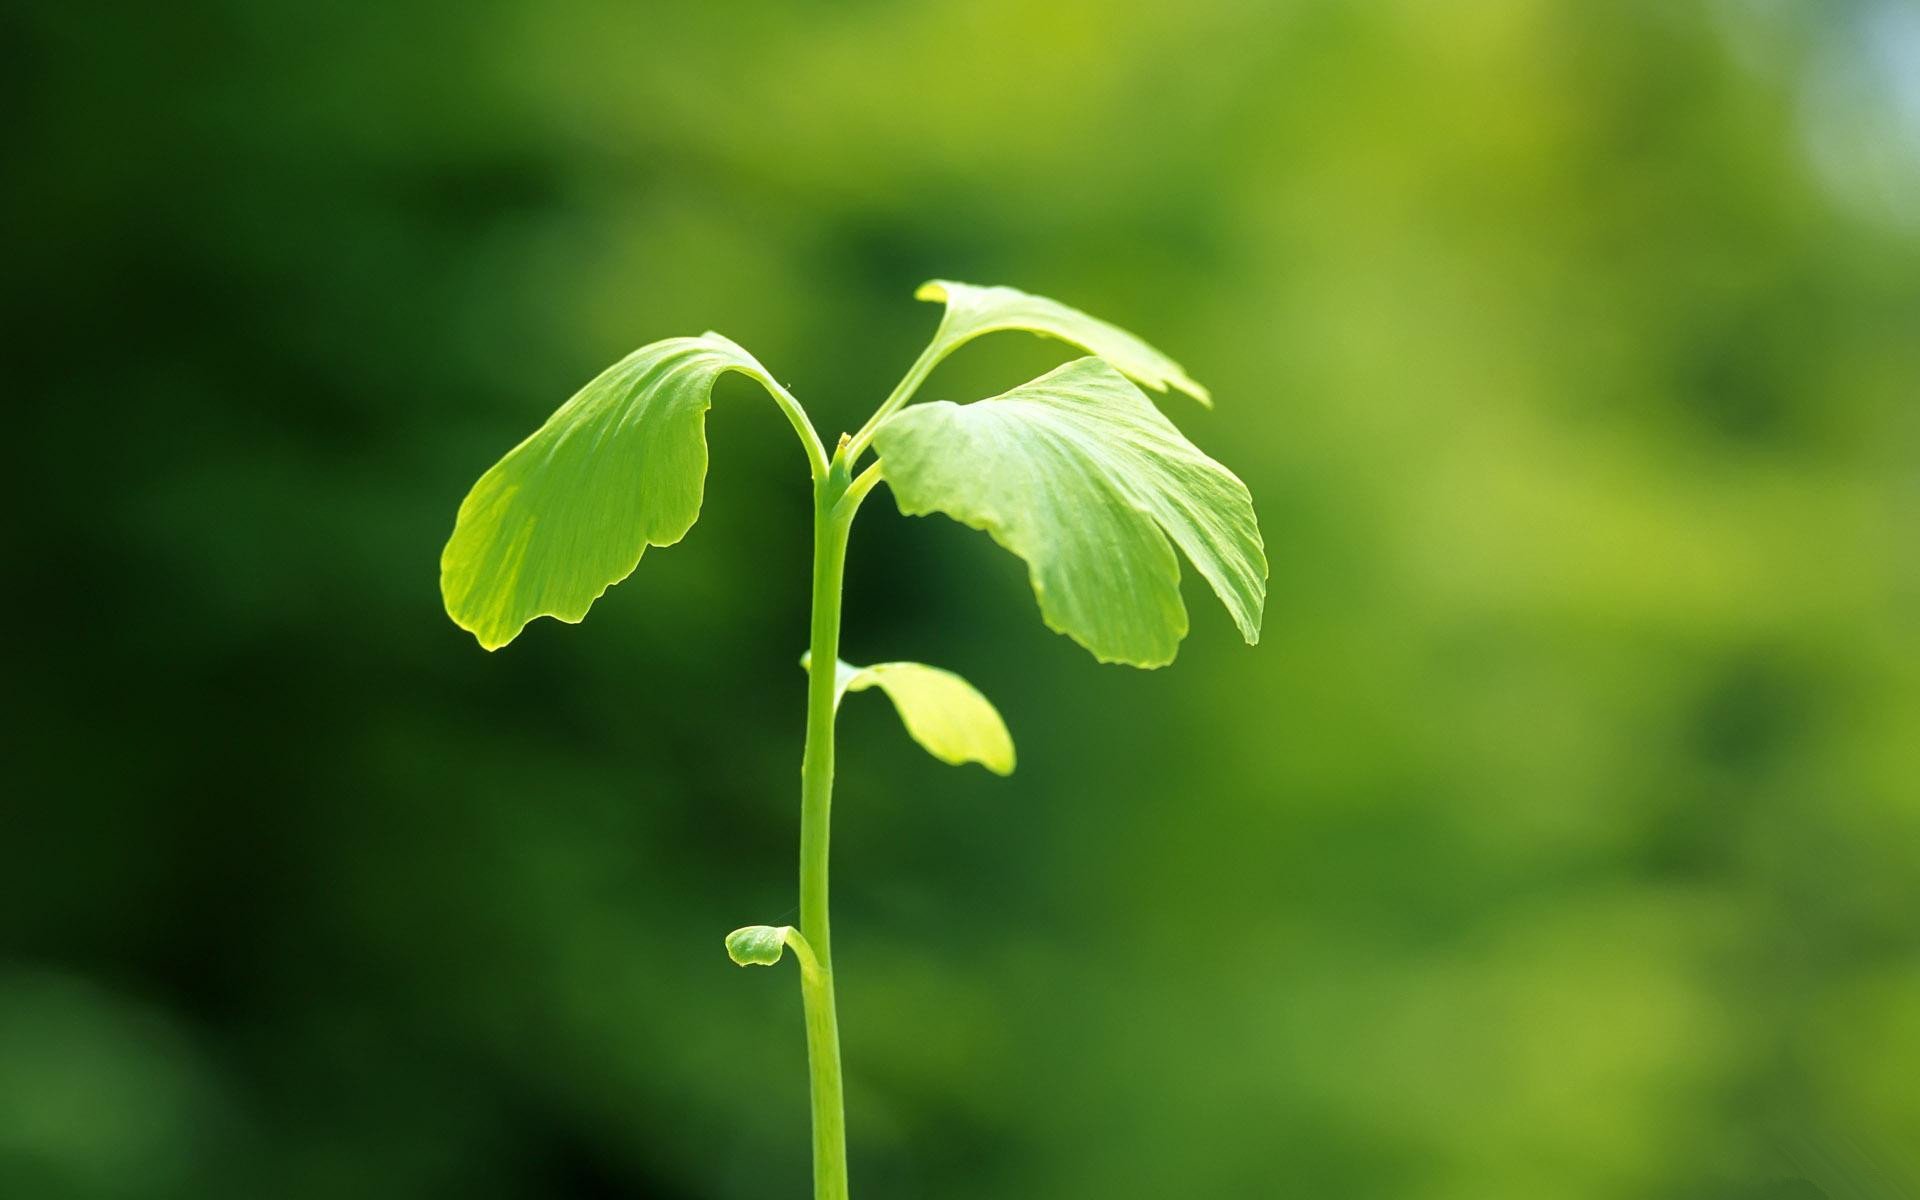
(1562, 838)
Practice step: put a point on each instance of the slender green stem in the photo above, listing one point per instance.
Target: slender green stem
(831, 526)
(836, 498)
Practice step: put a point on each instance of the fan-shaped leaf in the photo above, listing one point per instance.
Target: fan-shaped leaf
(973, 310)
(568, 512)
(758, 945)
(943, 712)
(1080, 475)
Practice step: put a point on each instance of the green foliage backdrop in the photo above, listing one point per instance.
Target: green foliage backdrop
(1561, 838)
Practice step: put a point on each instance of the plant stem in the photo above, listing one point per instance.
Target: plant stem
(830, 528)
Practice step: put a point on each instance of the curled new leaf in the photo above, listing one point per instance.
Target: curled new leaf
(1081, 476)
(973, 310)
(568, 512)
(943, 712)
(758, 945)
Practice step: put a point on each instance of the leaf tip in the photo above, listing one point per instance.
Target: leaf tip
(932, 289)
(489, 638)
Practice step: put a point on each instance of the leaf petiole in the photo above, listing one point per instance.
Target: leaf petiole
(849, 502)
(796, 415)
(936, 349)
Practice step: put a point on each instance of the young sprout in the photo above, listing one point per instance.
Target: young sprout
(1076, 472)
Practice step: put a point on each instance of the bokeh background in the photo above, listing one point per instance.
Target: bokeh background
(1561, 839)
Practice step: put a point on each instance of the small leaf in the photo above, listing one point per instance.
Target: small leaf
(973, 310)
(944, 713)
(1079, 474)
(568, 512)
(758, 945)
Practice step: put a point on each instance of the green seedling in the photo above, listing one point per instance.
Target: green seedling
(1076, 472)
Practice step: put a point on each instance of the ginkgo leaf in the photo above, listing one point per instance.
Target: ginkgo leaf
(943, 712)
(758, 945)
(1080, 475)
(763, 946)
(568, 512)
(973, 310)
